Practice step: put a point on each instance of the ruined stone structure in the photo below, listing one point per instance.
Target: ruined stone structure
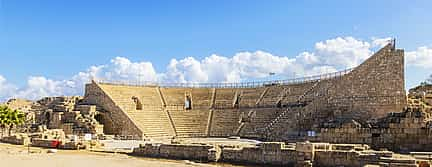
(20, 104)
(301, 109)
(422, 92)
(405, 131)
(24, 106)
(68, 114)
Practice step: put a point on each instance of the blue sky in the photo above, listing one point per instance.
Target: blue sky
(57, 39)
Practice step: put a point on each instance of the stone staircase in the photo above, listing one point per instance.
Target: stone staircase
(250, 96)
(272, 96)
(292, 93)
(258, 120)
(283, 115)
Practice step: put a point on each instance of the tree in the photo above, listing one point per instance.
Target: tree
(3, 119)
(10, 118)
(16, 118)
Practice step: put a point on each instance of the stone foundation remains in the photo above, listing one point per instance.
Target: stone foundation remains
(277, 153)
(19, 139)
(69, 114)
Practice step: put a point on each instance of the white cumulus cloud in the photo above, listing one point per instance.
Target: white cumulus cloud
(39, 86)
(328, 56)
(422, 57)
(340, 52)
(381, 42)
(185, 70)
(6, 89)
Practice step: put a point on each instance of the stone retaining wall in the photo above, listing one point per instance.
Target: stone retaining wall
(277, 153)
(195, 152)
(46, 143)
(117, 120)
(16, 139)
(403, 132)
(179, 151)
(374, 88)
(270, 153)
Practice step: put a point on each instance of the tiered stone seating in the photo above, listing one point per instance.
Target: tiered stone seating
(224, 123)
(250, 96)
(190, 123)
(285, 128)
(258, 121)
(224, 97)
(151, 119)
(174, 96)
(122, 95)
(154, 120)
(272, 96)
(295, 91)
(153, 123)
(288, 115)
(201, 97)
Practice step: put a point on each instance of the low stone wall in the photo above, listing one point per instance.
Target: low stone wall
(16, 139)
(72, 146)
(47, 143)
(147, 150)
(277, 153)
(342, 158)
(354, 155)
(268, 153)
(402, 132)
(179, 151)
(346, 135)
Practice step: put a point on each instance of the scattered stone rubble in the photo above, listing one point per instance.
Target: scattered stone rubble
(47, 138)
(55, 122)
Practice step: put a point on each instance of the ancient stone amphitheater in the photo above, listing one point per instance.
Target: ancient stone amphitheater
(347, 118)
(286, 110)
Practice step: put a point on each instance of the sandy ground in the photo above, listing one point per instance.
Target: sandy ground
(18, 156)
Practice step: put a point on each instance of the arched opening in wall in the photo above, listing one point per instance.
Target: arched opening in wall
(99, 118)
(47, 118)
(188, 103)
(109, 124)
(279, 104)
(237, 101)
(138, 104)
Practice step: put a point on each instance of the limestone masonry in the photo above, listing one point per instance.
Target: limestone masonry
(315, 109)
(336, 119)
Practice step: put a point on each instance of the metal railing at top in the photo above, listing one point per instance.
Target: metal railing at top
(252, 84)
